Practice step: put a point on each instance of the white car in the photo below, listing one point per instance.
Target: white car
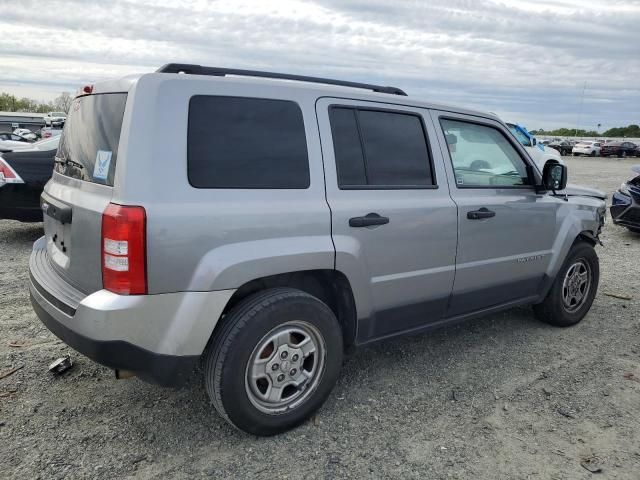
(55, 119)
(44, 144)
(538, 152)
(9, 141)
(587, 148)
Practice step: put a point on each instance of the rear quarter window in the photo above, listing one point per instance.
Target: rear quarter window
(252, 143)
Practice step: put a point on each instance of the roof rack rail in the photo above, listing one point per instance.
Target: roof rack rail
(221, 72)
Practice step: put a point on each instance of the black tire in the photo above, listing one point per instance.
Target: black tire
(233, 346)
(552, 309)
(634, 230)
(593, 153)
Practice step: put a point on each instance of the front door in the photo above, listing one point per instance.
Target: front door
(506, 229)
(393, 220)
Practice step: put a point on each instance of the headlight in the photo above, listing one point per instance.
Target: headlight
(624, 189)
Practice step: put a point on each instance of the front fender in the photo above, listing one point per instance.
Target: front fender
(577, 216)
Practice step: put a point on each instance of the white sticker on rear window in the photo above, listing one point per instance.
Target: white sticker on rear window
(101, 168)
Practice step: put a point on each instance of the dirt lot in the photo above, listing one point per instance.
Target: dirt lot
(501, 397)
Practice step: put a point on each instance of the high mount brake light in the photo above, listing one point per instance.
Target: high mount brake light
(124, 249)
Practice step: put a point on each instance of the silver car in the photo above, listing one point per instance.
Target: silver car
(264, 224)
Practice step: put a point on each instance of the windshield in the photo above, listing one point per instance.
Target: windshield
(89, 142)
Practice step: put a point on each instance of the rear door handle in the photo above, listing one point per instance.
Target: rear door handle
(368, 220)
(480, 214)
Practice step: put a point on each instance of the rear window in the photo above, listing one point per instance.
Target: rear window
(379, 149)
(238, 142)
(88, 147)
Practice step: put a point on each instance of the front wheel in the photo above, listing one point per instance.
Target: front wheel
(274, 361)
(574, 288)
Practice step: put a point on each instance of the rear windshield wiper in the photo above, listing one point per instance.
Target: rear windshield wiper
(74, 164)
(69, 162)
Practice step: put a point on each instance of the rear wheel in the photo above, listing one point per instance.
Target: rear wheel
(274, 362)
(574, 288)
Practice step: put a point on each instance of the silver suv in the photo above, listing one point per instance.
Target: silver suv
(261, 225)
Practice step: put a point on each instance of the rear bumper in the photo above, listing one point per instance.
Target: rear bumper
(159, 337)
(166, 370)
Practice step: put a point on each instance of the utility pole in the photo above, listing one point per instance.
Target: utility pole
(575, 133)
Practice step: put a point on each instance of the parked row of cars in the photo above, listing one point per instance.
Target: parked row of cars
(595, 148)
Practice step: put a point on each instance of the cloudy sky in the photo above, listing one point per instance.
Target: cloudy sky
(526, 60)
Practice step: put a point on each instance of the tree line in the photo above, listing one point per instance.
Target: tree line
(11, 103)
(631, 131)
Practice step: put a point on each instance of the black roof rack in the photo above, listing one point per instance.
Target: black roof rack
(221, 72)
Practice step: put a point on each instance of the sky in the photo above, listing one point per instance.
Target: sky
(528, 61)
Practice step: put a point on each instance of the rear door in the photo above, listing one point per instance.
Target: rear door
(393, 221)
(81, 187)
(506, 230)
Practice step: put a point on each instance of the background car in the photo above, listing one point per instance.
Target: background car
(25, 133)
(55, 119)
(23, 175)
(619, 149)
(562, 146)
(48, 132)
(9, 141)
(537, 151)
(625, 203)
(586, 148)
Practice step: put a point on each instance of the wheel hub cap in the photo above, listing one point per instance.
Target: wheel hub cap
(576, 285)
(285, 367)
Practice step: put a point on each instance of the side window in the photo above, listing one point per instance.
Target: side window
(482, 156)
(235, 142)
(375, 148)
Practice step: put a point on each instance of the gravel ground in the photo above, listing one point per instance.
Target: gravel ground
(500, 397)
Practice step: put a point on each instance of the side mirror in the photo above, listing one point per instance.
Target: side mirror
(554, 176)
(534, 142)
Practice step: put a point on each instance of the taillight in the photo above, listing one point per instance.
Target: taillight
(124, 249)
(8, 174)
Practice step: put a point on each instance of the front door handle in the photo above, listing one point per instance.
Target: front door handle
(368, 220)
(480, 214)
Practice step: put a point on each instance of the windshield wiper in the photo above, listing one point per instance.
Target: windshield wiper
(66, 161)
(74, 164)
